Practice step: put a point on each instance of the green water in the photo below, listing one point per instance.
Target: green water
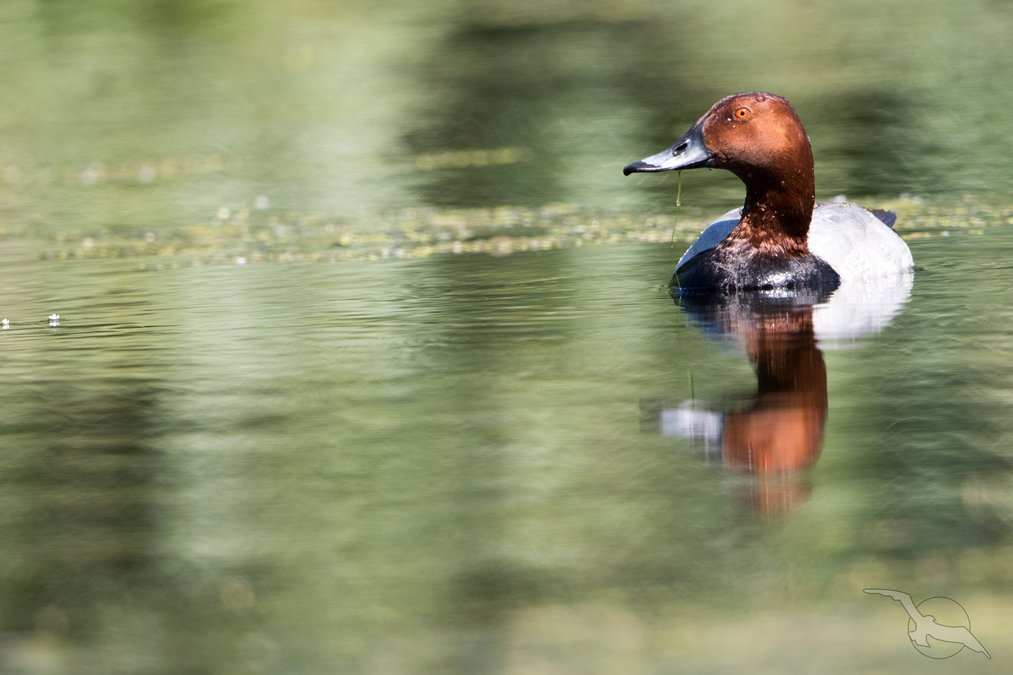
(362, 344)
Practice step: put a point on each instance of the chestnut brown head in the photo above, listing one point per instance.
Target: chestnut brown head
(754, 135)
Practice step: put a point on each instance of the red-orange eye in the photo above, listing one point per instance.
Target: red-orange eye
(742, 113)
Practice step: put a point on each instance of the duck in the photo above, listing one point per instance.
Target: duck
(780, 240)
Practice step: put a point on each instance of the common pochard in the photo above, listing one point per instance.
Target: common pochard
(779, 239)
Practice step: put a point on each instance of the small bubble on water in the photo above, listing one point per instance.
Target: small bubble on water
(147, 173)
(92, 174)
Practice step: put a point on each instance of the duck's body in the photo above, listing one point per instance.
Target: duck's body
(779, 239)
(856, 244)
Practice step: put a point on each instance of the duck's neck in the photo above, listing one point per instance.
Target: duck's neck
(777, 212)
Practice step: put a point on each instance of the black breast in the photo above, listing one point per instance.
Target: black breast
(711, 271)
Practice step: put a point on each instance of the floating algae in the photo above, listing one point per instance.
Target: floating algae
(258, 234)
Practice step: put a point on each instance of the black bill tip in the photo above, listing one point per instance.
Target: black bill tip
(637, 167)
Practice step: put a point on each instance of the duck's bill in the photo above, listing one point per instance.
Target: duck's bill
(689, 152)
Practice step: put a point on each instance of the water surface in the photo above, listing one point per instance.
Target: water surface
(363, 346)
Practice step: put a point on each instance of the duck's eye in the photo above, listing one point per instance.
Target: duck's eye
(742, 113)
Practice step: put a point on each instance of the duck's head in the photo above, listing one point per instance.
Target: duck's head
(759, 138)
(756, 136)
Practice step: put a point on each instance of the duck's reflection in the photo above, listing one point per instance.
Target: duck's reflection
(777, 432)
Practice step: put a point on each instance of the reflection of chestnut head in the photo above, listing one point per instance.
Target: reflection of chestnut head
(780, 429)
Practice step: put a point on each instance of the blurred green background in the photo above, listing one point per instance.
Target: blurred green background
(127, 114)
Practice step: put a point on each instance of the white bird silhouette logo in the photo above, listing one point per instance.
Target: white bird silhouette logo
(926, 626)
